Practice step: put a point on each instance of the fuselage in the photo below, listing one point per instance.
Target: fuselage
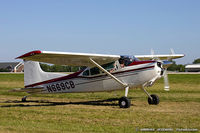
(136, 74)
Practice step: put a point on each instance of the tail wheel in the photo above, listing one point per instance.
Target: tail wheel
(154, 101)
(24, 99)
(124, 102)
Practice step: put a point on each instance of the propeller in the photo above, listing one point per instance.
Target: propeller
(166, 81)
(166, 64)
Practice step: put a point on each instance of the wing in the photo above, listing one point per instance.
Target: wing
(161, 57)
(68, 58)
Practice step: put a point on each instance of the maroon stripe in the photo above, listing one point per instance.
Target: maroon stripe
(73, 75)
(140, 62)
(30, 54)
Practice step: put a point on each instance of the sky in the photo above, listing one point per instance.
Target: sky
(122, 27)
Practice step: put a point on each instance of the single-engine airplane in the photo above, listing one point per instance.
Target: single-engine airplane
(103, 73)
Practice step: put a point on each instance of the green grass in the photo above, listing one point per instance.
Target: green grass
(90, 112)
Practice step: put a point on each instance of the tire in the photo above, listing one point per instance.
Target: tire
(155, 100)
(124, 102)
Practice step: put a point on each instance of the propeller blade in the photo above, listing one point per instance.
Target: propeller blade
(152, 52)
(166, 81)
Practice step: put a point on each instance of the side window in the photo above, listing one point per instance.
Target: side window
(109, 66)
(94, 71)
(86, 73)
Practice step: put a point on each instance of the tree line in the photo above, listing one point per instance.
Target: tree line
(4, 70)
(59, 68)
(180, 67)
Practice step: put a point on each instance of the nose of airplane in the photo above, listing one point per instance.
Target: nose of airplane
(161, 69)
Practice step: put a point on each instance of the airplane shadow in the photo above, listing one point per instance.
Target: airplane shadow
(42, 103)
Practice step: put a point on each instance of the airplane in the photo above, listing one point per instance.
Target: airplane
(103, 72)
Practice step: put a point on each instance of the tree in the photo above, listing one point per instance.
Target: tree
(4, 70)
(196, 61)
(172, 67)
(45, 67)
(175, 67)
(58, 68)
(181, 68)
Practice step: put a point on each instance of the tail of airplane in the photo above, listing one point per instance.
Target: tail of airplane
(34, 74)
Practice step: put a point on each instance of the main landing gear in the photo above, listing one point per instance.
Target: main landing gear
(124, 102)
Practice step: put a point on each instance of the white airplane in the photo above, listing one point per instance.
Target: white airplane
(103, 73)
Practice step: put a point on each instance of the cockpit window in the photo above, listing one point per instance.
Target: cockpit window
(109, 66)
(95, 70)
(86, 73)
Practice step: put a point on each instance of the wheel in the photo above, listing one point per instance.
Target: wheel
(24, 99)
(155, 100)
(124, 102)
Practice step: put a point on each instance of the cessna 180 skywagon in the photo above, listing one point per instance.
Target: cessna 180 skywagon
(103, 73)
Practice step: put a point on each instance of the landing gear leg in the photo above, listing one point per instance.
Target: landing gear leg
(152, 99)
(124, 102)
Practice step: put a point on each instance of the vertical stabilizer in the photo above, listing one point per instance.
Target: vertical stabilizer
(34, 74)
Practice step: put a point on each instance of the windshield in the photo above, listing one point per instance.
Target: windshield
(128, 59)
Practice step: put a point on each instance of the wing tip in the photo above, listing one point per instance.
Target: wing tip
(29, 54)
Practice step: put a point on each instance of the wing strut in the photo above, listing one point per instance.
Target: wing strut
(109, 74)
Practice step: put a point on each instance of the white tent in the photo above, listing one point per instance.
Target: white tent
(192, 68)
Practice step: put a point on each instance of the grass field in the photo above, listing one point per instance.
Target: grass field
(99, 112)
